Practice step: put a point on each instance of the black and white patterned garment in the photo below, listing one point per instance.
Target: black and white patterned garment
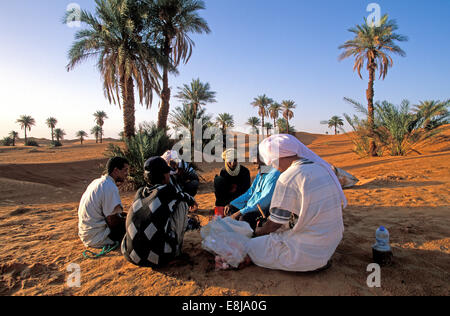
(189, 173)
(152, 238)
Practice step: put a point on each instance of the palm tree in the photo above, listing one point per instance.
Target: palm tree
(51, 123)
(81, 135)
(262, 102)
(97, 132)
(59, 134)
(225, 121)
(268, 126)
(171, 22)
(13, 135)
(284, 128)
(372, 45)
(434, 111)
(288, 106)
(183, 117)
(254, 122)
(274, 112)
(335, 121)
(195, 95)
(100, 118)
(117, 36)
(26, 122)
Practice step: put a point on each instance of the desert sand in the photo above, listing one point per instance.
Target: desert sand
(40, 190)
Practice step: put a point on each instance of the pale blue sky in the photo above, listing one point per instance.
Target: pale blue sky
(287, 49)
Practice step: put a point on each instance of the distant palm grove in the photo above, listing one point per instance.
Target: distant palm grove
(139, 43)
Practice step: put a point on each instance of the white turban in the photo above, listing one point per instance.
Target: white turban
(282, 146)
(230, 155)
(171, 155)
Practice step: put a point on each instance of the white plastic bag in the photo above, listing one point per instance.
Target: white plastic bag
(228, 239)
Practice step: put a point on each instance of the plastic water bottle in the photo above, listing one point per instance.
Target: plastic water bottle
(382, 251)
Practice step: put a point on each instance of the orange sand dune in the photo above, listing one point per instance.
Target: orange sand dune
(40, 189)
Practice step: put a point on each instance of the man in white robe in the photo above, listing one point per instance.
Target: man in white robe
(309, 189)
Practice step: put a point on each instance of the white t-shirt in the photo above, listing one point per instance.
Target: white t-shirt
(97, 203)
(307, 190)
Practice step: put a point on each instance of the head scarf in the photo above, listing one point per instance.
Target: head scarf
(171, 155)
(274, 148)
(229, 156)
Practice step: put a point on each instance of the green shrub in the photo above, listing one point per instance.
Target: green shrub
(32, 143)
(55, 143)
(147, 143)
(7, 141)
(397, 129)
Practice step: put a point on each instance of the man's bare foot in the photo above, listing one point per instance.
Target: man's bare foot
(247, 263)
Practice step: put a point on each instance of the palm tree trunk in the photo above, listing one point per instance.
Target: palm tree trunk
(26, 136)
(165, 95)
(128, 107)
(195, 110)
(53, 138)
(288, 131)
(371, 119)
(262, 126)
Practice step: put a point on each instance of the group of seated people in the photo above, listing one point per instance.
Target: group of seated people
(292, 180)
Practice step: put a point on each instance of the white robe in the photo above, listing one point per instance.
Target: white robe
(308, 191)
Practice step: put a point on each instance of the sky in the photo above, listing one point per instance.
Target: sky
(286, 49)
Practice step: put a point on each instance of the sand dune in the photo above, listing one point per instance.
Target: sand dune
(40, 190)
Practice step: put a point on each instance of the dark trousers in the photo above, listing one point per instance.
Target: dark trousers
(222, 189)
(191, 188)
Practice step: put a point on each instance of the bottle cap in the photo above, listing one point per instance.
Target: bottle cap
(382, 228)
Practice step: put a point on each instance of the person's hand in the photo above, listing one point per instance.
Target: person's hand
(194, 207)
(227, 210)
(236, 216)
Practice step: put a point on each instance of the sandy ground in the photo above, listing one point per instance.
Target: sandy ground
(39, 194)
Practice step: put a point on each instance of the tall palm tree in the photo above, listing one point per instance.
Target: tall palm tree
(26, 122)
(372, 46)
(432, 110)
(81, 135)
(288, 106)
(183, 117)
(100, 117)
(195, 95)
(335, 121)
(59, 134)
(262, 102)
(171, 22)
(116, 34)
(225, 121)
(14, 135)
(274, 112)
(268, 126)
(254, 122)
(97, 132)
(51, 123)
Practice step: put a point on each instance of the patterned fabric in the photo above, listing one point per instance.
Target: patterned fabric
(155, 226)
(189, 172)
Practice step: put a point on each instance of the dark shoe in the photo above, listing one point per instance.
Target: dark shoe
(193, 224)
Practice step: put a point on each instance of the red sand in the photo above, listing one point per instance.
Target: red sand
(39, 194)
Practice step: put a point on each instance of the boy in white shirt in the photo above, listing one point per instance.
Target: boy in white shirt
(100, 214)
